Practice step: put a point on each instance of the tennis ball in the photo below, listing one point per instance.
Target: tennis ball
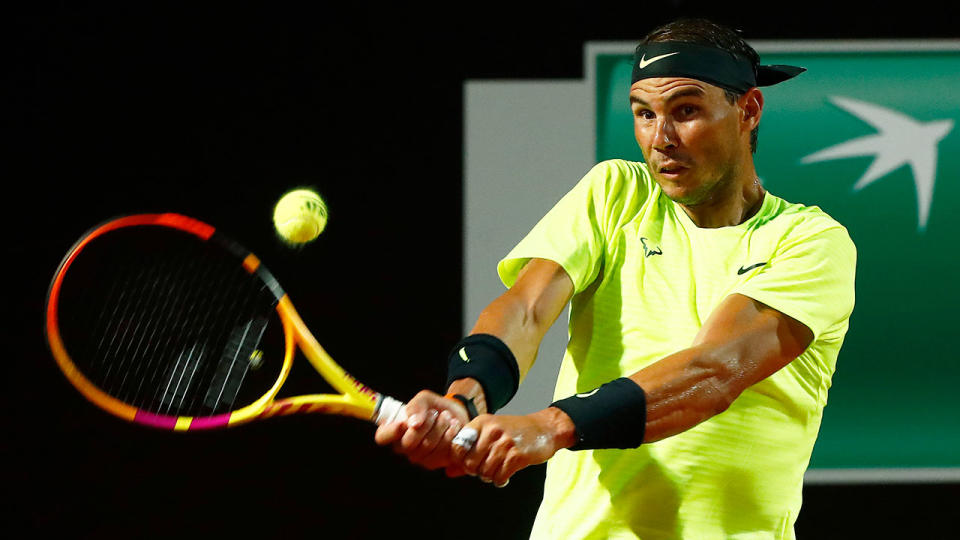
(300, 216)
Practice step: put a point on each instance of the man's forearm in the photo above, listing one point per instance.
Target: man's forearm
(684, 389)
(510, 320)
(666, 398)
(740, 344)
(520, 317)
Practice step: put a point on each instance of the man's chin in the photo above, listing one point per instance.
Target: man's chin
(679, 193)
(685, 189)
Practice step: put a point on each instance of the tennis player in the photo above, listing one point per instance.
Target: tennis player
(706, 315)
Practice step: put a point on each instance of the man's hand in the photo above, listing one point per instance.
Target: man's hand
(424, 437)
(507, 444)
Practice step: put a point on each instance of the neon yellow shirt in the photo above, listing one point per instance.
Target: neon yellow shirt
(645, 278)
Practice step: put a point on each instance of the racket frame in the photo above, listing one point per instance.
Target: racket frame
(355, 399)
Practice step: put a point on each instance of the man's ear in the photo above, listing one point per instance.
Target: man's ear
(751, 109)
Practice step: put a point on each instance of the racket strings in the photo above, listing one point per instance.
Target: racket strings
(213, 397)
(144, 291)
(172, 382)
(170, 326)
(213, 318)
(238, 356)
(115, 328)
(143, 323)
(139, 287)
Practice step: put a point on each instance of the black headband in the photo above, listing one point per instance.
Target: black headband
(708, 64)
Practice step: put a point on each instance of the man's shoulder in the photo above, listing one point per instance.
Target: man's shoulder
(623, 168)
(802, 215)
(619, 178)
(802, 220)
(620, 189)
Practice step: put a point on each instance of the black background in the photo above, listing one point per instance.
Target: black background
(214, 111)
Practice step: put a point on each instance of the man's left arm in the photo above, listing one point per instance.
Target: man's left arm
(742, 342)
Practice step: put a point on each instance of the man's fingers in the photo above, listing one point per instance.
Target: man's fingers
(510, 465)
(440, 455)
(455, 471)
(473, 459)
(418, 425)
(433, 439)
(389, 433)
(492, 464)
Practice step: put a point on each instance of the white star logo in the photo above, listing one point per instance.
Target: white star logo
(900, 140)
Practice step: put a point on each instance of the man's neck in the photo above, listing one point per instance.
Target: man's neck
(741, 203)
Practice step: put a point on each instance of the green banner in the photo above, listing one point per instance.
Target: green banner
(871, 137)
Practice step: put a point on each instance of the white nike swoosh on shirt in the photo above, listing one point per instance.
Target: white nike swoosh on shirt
(644, 62)
(463, 354)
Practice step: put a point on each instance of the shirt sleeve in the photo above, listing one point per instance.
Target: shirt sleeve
(810, 278)
(573, 233)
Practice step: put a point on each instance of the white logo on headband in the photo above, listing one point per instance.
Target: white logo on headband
(644, 62)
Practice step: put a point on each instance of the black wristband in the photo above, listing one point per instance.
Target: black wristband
(467, 402)
(612, 416)
(488, 360)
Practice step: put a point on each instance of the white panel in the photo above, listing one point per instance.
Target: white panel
(526, 144)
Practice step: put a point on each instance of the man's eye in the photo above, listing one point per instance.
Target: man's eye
(644, 114)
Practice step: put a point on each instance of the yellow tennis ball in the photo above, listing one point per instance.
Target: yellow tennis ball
(300, 216)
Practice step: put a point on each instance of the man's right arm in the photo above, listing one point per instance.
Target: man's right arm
(520, 318)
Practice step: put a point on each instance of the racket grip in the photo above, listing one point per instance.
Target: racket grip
(389, 410)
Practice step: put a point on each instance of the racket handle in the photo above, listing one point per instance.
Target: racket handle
(389, 410)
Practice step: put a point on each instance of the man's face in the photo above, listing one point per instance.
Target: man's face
(691, 136)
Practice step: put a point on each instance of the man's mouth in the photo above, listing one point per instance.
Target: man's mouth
(671, 169)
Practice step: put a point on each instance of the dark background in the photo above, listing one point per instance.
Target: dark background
(214, 111)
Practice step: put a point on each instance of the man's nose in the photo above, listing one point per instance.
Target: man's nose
(665, 135)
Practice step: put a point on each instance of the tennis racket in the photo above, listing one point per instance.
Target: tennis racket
(161, 320)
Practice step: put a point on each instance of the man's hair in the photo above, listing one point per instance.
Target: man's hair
(705, 32)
